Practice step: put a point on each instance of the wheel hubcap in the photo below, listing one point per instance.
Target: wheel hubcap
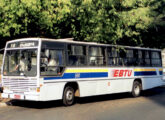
(69, 95)
(137, 90)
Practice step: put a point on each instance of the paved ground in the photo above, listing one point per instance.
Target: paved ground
(151, 106)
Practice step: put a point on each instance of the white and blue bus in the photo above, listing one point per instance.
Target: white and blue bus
(41, 69)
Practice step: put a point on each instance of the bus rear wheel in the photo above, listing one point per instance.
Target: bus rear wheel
(136, 89)
(68, 96)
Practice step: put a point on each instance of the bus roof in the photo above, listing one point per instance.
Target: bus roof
(70, 40)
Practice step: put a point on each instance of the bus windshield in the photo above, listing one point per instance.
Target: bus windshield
(20, 62)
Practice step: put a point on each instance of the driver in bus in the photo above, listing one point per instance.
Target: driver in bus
(22, 64)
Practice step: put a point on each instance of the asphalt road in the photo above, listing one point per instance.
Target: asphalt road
(150, 106)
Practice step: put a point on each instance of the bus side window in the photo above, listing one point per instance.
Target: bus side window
(146, 56)
(122, 60)
(96, 56)
(156, 59)
(139, 58)
(112, 56)
(76, 55)
(52, 62)
(130, 60)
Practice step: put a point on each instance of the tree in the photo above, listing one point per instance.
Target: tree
(125, 22)
(96, 20)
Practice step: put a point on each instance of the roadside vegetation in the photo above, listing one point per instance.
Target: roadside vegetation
(128, 22)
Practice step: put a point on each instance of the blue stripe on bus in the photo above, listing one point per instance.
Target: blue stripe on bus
(160, 72)
(79, 75)
(93, 75)
(144, 73)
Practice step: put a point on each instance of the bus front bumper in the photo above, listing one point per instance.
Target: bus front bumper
(21, 96)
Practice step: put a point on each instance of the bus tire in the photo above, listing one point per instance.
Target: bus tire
(68, 96)
(136, 89)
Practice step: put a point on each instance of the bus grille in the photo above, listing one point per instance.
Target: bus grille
(19, 85)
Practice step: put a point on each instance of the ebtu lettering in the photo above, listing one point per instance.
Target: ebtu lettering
(122, 73)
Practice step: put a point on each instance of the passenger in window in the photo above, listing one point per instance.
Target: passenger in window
(52, 61)
(22, 63)
(92, 60)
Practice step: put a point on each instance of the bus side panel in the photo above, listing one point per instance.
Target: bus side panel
(119, 86)
(87, 88)
(52, 91)
(90, 88)
(151, 82)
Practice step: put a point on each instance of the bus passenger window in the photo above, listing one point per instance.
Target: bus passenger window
(112, 56)
(156, 59)
(52, 62)
(76, 55)
(146, 58)
(130, 60)
(122, 57)
(96, 56)
(139, 58)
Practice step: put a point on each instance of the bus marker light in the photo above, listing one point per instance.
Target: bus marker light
(109, 84)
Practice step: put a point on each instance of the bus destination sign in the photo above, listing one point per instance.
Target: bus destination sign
(22, 44)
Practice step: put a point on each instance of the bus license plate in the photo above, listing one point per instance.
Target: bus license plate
(17, 96)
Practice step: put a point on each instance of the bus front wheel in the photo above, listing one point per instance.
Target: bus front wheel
(68, 96)
(136, 89)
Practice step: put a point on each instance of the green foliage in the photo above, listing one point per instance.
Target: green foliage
(22, 18)
(98, 21)
(128, 22)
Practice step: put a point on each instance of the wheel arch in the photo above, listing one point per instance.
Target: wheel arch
(75, 86)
